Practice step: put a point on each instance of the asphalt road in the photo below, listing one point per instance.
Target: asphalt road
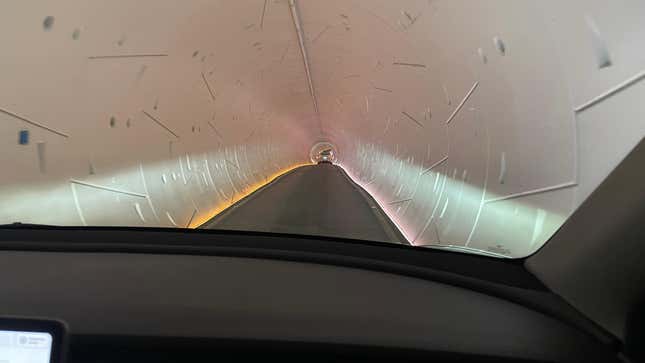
(311, 200)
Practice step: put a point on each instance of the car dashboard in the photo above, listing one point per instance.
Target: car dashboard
(163, 296)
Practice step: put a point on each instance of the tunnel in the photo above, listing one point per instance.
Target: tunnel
(478, 126)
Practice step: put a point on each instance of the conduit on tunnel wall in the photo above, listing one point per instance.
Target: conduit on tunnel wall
(476, 124)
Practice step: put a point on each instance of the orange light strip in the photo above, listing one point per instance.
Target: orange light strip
(205, 217)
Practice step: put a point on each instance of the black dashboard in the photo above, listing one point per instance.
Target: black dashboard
(161, 296)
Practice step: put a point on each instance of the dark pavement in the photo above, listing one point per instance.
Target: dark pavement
(311, 200)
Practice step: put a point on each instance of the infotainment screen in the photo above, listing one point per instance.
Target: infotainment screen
(31, 341)
(25, 347)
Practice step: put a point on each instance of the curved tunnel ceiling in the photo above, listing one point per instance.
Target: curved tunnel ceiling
(476, 125)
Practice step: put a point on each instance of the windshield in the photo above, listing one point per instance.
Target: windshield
(475, 126)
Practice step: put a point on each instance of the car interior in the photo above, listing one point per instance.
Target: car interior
(322, 181)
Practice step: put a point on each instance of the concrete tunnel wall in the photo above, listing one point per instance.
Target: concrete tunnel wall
(475, 124)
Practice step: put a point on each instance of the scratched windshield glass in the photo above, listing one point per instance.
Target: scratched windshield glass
(407, 122)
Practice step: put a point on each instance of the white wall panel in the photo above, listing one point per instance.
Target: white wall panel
(126, 103)
(507, 154)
